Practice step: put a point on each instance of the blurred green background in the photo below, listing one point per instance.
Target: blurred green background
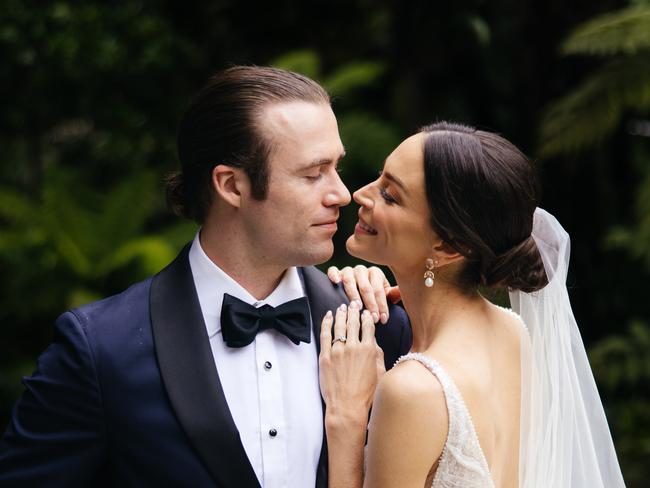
(92, 91)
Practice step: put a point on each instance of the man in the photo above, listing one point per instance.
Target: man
(168, 384)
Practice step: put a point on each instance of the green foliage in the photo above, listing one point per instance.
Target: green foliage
(622, 361)
(352, 76)
(623, 32)
(368, 141)
(304, 61)
(593, 110)
(342, 82)
(621, 365)
(635, 239)
(85, 234)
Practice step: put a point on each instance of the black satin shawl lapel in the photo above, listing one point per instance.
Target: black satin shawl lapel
(323, 295)
(190, 376)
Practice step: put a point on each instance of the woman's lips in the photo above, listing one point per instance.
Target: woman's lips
(363, 228)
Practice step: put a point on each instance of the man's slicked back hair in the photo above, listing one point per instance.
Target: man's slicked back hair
(221, 126)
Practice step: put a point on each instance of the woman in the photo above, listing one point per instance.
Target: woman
(480, 401)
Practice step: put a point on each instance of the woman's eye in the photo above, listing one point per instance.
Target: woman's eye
(386, 196)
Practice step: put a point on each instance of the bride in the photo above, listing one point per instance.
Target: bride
(487, 397)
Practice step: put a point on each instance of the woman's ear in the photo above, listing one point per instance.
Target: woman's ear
(229, 184)
(445, 253)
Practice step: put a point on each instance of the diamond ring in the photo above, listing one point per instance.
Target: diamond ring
(339, 338)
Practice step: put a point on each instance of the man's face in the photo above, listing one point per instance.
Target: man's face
(294, 225)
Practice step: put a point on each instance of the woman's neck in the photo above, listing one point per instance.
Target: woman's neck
(432, 310)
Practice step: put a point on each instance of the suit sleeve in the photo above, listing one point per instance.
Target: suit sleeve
(56, 434)
(395, 337)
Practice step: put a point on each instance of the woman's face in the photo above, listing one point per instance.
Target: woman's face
(393, 227)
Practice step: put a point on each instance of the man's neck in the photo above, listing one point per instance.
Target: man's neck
(244, 265)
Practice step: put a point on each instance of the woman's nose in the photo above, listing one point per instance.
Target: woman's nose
(362, 196)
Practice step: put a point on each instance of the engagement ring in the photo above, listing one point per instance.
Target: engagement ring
(339, 338)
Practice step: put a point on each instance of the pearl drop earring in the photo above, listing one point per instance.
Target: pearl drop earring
(429, 276)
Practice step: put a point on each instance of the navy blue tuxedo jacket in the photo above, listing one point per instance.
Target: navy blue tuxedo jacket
(128, 393)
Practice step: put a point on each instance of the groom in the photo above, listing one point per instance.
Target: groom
(207, 373)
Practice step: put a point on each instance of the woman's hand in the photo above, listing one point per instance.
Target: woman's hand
(350, 365)
(367, 285)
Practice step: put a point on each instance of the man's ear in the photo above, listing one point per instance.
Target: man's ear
(229, 183)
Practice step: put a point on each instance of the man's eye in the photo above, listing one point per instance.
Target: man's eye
(314, 177)
(386, 196)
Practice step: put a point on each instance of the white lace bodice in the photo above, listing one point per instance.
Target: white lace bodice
(462, 463)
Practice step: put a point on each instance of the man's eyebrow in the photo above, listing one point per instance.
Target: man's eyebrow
(322, 161)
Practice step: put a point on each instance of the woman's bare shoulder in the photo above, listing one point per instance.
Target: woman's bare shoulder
(408, 427)
(410, 389)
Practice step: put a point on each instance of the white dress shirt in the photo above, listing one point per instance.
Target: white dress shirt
(271, 385)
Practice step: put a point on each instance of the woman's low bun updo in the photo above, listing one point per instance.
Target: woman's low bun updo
(520, 268)
(482, 192)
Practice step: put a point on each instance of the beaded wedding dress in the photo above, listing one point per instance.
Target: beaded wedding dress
(462, 463)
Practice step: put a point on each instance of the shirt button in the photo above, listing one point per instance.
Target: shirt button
(273, 432)
(267, 365)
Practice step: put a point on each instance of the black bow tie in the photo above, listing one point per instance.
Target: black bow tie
(240, 322)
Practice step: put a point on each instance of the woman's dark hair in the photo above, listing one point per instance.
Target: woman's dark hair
(221, 126)
(481, 191)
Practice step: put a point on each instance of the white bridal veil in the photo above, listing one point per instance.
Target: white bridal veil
(565, 439)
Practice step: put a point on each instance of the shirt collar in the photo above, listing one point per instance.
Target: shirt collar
(212, 282)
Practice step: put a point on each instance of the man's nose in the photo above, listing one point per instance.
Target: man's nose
(339, 194)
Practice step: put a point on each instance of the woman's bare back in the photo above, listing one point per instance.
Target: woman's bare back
(483, 360)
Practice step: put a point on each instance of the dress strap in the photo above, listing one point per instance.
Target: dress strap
(511, 312)
(452, 394)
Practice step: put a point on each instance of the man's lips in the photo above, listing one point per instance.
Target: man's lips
(329, 225)
(363, 227)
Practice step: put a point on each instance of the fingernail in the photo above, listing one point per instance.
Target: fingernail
(365, 314)
(375, 317)
(384, 317)
(337, 278)
(359, 303)
(354, 304)
(343, 307)
(328, 314)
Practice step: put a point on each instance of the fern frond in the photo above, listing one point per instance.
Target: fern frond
(625, 31)
(593, 110)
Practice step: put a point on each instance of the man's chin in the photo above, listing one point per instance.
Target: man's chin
(318, 254)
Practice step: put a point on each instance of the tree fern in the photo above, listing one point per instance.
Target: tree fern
(589, 113)
(594, 109)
